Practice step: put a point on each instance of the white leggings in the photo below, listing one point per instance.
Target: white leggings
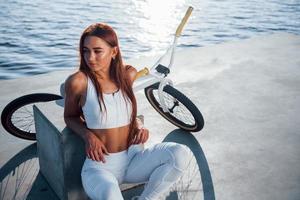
(160, 166)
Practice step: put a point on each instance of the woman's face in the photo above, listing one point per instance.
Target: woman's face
(97, 53)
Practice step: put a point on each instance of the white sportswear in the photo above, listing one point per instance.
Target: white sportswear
(118, 109)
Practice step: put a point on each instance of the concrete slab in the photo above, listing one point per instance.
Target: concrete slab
(60, 152)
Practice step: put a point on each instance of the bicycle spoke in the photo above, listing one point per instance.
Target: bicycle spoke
(177, 109)
(25, 110)
(24, 119)
(23, 124)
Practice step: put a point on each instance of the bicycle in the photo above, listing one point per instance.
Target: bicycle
(17, 116)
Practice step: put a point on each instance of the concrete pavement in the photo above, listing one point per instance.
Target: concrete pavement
(249, 94)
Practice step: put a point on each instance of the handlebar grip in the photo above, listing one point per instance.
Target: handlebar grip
(141, 73)
(183, 21)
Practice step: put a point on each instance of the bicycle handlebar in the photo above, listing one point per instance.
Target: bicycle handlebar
(183, 21)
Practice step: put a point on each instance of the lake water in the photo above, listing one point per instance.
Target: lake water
(40, 36)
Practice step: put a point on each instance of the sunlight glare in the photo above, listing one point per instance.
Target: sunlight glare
(159, 21)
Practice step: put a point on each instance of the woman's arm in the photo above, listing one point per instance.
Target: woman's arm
(142, 132)
(74, 87)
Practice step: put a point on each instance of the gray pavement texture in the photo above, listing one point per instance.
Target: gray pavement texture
(249, 94)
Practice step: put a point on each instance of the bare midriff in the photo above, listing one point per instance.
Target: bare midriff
(114, 139)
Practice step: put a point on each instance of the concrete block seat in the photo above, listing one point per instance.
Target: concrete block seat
(61, 153)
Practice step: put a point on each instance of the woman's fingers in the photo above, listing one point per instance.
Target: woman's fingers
(104, 150)
(95, 152)
(141, 137)
(134, 140)
(96, 155)
(138, 137)
(145, 135)
(101, 156)
(92, 156)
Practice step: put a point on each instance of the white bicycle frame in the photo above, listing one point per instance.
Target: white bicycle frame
(147, 77)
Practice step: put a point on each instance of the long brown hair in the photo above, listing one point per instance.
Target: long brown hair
(117, 70)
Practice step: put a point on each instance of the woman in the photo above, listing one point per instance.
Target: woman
(100, 106)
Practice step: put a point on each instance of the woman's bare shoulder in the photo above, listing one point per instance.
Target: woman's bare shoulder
(131, 72)
(76, 81)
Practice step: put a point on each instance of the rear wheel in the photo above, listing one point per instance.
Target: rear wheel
(17, 116)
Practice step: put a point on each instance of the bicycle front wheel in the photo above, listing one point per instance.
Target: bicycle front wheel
(17, 116)
(182, 112)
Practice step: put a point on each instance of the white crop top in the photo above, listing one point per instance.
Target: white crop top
(118, 109)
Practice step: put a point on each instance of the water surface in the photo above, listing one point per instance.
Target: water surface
(41, 36)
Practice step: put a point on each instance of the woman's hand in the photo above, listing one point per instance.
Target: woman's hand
(142, 133)
(141, 136)
(94, 147)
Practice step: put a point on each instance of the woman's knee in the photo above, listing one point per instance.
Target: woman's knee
(110, 191)
(181, 155)
(100, 187)
(105, 191)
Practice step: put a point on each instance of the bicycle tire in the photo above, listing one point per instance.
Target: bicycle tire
(197, 123)
(16, 128)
